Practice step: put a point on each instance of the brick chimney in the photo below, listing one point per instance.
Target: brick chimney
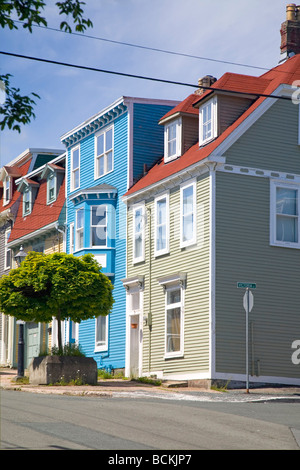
(290, 32)
(206, 81)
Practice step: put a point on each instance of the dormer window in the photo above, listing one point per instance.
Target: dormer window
(28, 188)
(54, 175)
(208, 121)
(51, 188)
(172, 140)
(7, 189)
(26, 201)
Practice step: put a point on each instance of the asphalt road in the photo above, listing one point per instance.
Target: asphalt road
(53, 422)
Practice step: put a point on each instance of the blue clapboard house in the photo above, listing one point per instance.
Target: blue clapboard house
(105, 155)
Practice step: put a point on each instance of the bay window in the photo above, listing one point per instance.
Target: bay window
(98, 225)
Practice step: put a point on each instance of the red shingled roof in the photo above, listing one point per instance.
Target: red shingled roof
(286, 73)
(16, 171)
(41, 215)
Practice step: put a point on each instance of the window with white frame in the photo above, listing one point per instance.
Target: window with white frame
(7, 258)
(104, 152)
(162, 224)
(174, 322)
(101, 333)
(285, 220)
(27, 201)
(51, 188)
(72, 238)
(138, 233)
(208, 121)
(172, 140)
(79, 229)
(99, 226)
(75, 168)
(7, 190)
(188, 214)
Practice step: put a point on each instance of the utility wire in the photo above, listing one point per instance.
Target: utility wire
(154, 49)
(123, 74)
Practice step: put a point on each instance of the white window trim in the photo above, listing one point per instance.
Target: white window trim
(29, 191)
(193, 240)
(81, 229)
(72, 238)
(274, 184)
(73, 170)
(178, 124)
(167, 222)
(6, 200)
(104, 346)
(142, 257)
(180, 352)
(6, 250)
(51, 177)
(91, 226)
(214, 122)
(96, 164)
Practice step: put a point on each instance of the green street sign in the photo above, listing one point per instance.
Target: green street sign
(245, 285)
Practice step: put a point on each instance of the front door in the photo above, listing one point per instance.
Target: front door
(32, 342)
(134, 345)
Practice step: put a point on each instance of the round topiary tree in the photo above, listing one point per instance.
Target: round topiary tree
(57, 286)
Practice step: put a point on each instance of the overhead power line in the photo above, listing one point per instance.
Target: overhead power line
(141, 77)
(153, 49)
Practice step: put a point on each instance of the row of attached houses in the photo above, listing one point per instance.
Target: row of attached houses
(186, 206)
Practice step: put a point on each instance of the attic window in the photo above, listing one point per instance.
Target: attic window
(27, 201)
(7, 190)
(208, 121)
(172, 140)
(51, 188)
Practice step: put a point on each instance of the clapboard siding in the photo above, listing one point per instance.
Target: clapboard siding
(271, 142)
(148, 136)
(195, 262)
(229, 109)
(243, 253)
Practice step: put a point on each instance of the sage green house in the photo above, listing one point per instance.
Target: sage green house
(218, 217)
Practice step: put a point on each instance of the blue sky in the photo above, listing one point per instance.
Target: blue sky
(236, 31)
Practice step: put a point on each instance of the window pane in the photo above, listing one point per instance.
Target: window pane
(101, 330)
(79, 218)
(173, 296)
(99, 236)
(75, 156)
(173, 330)
(100, 166)
(100, 144)
(109, 161)
(108, 140)
(286, 201)
(75, 179)
(161, 211)
(99, 215)
(188, 200)
(287, 229)
(138, 246)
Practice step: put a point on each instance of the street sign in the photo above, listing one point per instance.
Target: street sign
(246, 285)
(20, 322)
(248, 301)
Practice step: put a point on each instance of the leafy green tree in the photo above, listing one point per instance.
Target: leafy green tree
(57, 286)
(18, 109)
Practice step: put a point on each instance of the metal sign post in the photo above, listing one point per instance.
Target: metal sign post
(248, 302)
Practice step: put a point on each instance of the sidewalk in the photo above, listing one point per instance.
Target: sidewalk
(168, 390)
